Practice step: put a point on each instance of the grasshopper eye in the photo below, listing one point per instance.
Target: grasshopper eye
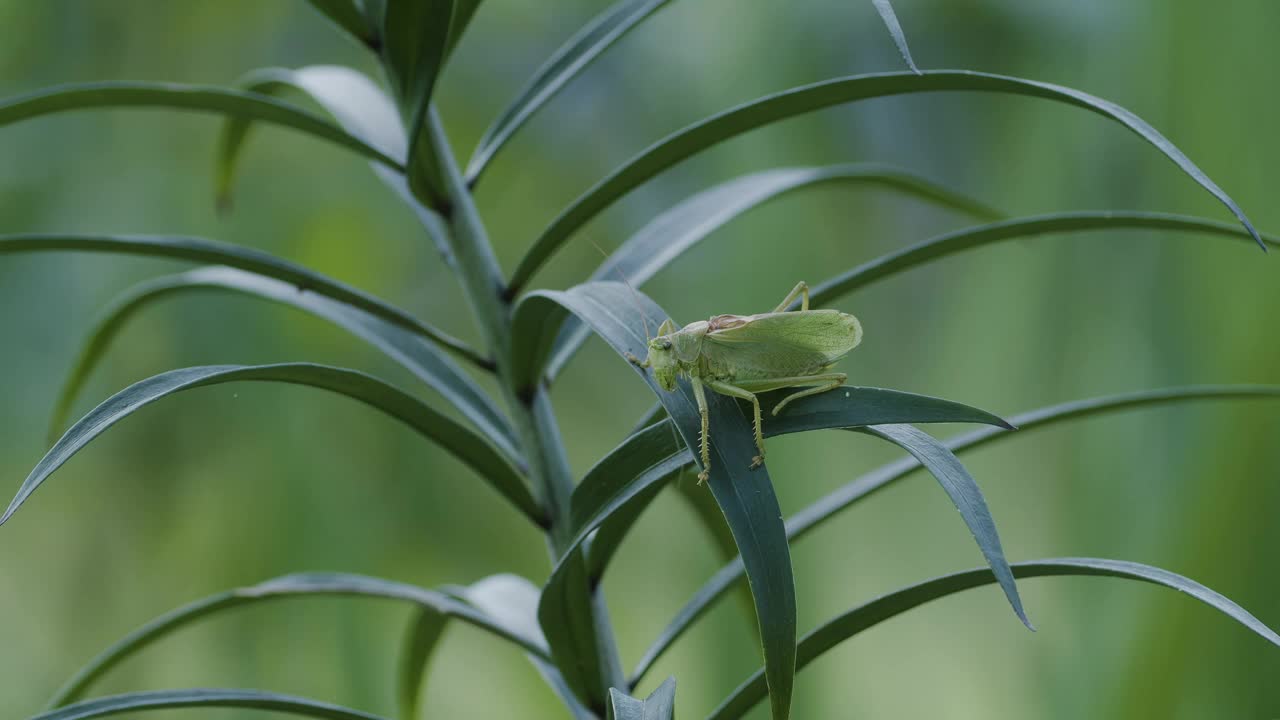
(666, 344)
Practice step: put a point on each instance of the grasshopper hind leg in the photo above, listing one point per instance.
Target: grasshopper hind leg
(822, 383)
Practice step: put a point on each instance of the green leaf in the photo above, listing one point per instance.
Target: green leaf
(668, 236)
(457, 439)
(358, 105)
(510, 601)
(975, 237)
(348, 16)
(303, 584)
(255, 261)
(416, 42)
(660, 705)
(203, 698)
(817, 513)
(425, 630)
(798, 101)
(463, 11)
(885, 8)
(172, 96)
(570, 59)
(409, 349)
(888, 606)
(654, 454)
(570, 619)
(964, 493)
(745, 496)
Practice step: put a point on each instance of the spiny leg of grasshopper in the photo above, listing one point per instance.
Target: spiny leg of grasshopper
(725, 388)
(704, 444)
(801, 289)
(823, 383)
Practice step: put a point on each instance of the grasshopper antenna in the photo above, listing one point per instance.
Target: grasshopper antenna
(635, 297)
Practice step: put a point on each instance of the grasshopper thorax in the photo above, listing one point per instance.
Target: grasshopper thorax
(672, 351)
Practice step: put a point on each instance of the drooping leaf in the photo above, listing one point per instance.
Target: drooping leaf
(790, 103)
(173, 96)
(203, 698)
(836, 631)
(964, 493)
(359, 106)
(426, 627)
(890, 18)
(745, 496)
(408, 349)
(565, 63)
(347, 15)
(242, 258)
(509, 601)
(457, 439)
(975, 237)
(660, 705)
(671, 234)
(828, 506)
(304, 584)
(415, 45)
(653, 454)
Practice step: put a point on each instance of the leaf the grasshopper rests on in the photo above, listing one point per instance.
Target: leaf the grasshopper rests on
(746, 497)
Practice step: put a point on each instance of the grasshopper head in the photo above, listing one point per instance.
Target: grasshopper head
(662, 357)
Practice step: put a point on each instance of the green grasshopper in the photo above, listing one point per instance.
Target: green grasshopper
(740, 355)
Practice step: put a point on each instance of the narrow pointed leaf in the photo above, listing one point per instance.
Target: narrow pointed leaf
(828, 506)
(790, 103)
(831, 634)
(203, 698)
(745, 496)
(564, 65)
(406, 348)
(964, 493)
(416, 43)
(347, 15)
(890, 18)
(298, 585)
(457, 439)
(660, 705)
(172, 96)
(671, 234)
(242, 258)
(983, 235)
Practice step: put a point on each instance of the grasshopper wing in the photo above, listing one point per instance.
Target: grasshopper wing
(781, 343)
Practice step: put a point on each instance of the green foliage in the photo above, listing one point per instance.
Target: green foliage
(510, 439)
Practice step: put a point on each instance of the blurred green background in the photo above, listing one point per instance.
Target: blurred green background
(236, 484)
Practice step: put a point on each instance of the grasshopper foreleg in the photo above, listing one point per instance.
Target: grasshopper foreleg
(704, 445)
(725, 388)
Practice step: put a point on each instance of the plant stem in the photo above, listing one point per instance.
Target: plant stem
(532, 414)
